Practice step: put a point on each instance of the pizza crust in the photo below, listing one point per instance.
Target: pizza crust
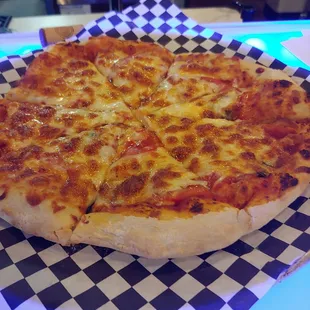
(38, 220)
(153, 238)
(262, 214)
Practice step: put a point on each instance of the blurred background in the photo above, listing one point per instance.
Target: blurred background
(251, 10)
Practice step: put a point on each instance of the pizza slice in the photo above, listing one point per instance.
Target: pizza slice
(65, 81)
(25, 122)
(215, 86)
(245, 164)
(150, 205)
(135, 68)
(46, 188)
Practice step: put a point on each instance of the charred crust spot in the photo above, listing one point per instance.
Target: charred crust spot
(197, 207)
(34, 199)
(56, 208)
(260, 70)
(285, 83)
(286, 181)
(131, 186)
(3, 193)
(74, 219)
(305, 154)
(181, 152)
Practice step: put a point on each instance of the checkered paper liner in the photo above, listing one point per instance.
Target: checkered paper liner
(38, 274)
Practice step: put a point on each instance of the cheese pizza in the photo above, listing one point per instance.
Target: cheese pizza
(125, 145)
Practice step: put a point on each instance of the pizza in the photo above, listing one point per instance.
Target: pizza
(126, 145)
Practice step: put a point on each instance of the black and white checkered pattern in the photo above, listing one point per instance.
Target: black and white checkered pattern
(38, 274)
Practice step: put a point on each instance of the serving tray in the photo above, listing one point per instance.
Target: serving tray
(38, 274)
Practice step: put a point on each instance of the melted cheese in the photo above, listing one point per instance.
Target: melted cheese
(146, 177)
(219, 146)
(34, 122)
(67, 82)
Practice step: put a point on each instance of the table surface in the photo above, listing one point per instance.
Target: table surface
(293, 292)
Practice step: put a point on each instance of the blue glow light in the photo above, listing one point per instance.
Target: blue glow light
(271, 44)
(18, 49)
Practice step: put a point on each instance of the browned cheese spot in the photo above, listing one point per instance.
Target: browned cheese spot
(181, 152)
(202, 130)
(247, 155)
(150, 163)
(303, 169)
(286, 181)
(134, 164)
(25, 131)
(131, 186)
(72, 145)
(3, 113)
(39, 181)
(48, 132)
(93, 148)
(305, 154)
(93, 166)
(80, 103)
(194, 165)
(189, 140)
(196, 207)
(46, 113)
(160, 177)
(75, 65)
(209, 147)
(172, 140)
